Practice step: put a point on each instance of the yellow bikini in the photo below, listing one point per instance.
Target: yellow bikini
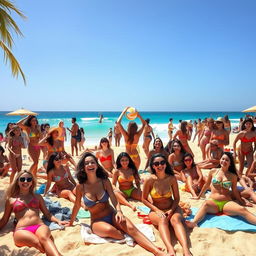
(154, 194)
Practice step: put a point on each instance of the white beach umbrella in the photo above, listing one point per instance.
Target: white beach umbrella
(251, 109)
(22, 112)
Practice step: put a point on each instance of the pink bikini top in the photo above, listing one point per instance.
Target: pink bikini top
(19, 206)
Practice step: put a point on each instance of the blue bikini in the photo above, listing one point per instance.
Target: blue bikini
(104, 198)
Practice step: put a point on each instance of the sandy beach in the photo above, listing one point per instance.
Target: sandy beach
(203, 241)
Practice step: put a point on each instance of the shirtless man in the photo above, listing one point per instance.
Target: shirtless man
(147, 136)
(74, 129)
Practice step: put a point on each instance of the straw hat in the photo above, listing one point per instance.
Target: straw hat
(220, 119)
(52, 129)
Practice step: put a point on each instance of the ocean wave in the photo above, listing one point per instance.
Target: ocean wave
(92, 118)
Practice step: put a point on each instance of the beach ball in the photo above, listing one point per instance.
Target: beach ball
(131, 113)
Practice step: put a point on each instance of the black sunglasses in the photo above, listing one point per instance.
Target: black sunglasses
(158, 163)
(27, 179)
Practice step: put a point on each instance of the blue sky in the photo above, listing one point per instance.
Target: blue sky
(170, 55)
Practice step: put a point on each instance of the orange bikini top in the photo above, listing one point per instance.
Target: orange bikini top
(218, 137)
(155, 194)
(107, 158)
(121, 179)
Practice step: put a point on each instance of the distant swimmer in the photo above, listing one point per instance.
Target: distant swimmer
(101, 119)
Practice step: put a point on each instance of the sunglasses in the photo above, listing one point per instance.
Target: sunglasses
(26, 179)
(159, 163)
(188, 160)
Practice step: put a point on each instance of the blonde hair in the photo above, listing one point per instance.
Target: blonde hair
(13, 190)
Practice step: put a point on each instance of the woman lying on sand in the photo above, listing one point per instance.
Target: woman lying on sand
(220, 182)
(106, 221)
(30, 230)
(165, 211)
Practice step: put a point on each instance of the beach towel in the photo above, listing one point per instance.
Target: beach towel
(56, 210)
(82, 214)
(223, 222)
(90, 238)
(144, 209)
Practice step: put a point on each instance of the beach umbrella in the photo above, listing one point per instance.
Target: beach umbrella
(252, 109)
(22, 112)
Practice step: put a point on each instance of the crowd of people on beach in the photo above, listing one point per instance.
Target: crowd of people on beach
(103, 182)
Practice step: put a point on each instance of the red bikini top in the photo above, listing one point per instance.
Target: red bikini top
(244, 139)
(19, 206)
(102, 158)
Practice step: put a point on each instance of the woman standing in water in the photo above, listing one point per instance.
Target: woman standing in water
(30, 125)
(131, 137)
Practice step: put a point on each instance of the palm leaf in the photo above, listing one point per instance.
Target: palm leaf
(8, 25)
(15, 66)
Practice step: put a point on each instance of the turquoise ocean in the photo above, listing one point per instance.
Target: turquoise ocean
(95, 130)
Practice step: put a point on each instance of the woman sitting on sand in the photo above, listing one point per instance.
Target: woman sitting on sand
(192, 176)
(213, 156)
(221, 181)
(105, 154)
(30, 125)
(131, 137)
(205, 136)
(60, 174)
(4, 163)
(15, 145)
(219, 133)
(157, 148)
(106, 221)
(125, 174)
(184, 136)
(175, 158)
(247, 136)
(30, 230)
(165, 211)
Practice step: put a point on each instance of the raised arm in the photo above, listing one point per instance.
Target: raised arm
(20, 123)
(140, 131)
(49, 181)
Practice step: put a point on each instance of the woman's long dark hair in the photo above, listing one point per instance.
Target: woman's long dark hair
(183, 127)
(131, 164)
(245, 121)
(28, 121)
(54, 156)
(182, 150)
(50, 140)
(80, 169)
(168, 169)
(193, 162)
(232, 166)
(132, 130)
(162, 147)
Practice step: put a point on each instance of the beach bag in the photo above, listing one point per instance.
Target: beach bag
(78, 135)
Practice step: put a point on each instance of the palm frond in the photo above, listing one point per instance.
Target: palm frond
(15, 66)
(8, 5)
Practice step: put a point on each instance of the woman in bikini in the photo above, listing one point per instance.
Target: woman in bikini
(106, 220)
(53, 144)
(147, 136)
(64, 183)
(106, 156)
(30, 230)
(165, 211)
(219, 133)
(63, 133)
(175, 158)
(125, 174)
(213, 156)
(221, 182)
(131, 137)
(15, 145)
(157, 148)
(4, 163)
(205, 136)
(184, 136)
(192, 176)
(170, 128)
(227, 124)
(247, 136)
(30, 125)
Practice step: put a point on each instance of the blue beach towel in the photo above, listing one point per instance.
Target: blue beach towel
(223, 222)
(144, 209)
